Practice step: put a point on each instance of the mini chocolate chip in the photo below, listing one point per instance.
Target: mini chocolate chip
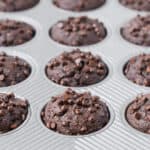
(60, 25)
(26, 72)
(53, 99)
(65, 123)
(3, 105)
(60, 102)
(13, 126)
(91, 110)
(91, 118)
(148, 69)
(2, 77)
(70, 101)
(10, 108)
(83, 129)
(148, 131)
(64, 109)
(2, 58)
(53, 125)
(147, 107)
(137, 116)
(23, 116)
(78, 111)
(97, 106)
(42, 113)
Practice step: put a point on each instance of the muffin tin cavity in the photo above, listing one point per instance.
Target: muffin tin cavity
(136, 30)
(136, 114)
(73, 113)
(78, 5)
(15, 69)
(76, 69)
(141, 5)
(17, 5)
(78, 31)
(137, 70)
(13, 32)
(14, 111)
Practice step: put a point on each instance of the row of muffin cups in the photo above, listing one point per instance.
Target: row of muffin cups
(78, 6)
(108, 105)
(76, 29)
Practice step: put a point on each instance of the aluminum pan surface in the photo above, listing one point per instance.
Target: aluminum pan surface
(38, 90)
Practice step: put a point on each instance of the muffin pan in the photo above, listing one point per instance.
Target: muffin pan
(38, 89)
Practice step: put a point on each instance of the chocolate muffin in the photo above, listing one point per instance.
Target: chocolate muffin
(14, 33)
(78, 5)
(13, 70)
(142, 5)
(137, 31)
(16, 5)
(138, 113)
(76, 68)
(13, 112)
(137, 69)
(78, 31)
(73, 113)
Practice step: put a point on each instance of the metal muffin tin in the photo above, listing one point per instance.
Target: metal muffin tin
(115, 90)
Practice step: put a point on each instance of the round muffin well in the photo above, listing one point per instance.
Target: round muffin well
(13, 112)
(141, 5)
(13, 70)
(137, 70)
(17, 5)
(78, 31)
(76, 69)
(13, 33)
(78, 5)
(73, 113)
(138, 113)
(137, 30)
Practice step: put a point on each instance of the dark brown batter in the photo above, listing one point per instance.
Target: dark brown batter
(17, 5)
(137, 31)
(78, 5)
(78, 31)
(13, 112)
(73, 113)
(14, 33)
(137, 69)
(13, 70)
(138, 113)
(76, 68)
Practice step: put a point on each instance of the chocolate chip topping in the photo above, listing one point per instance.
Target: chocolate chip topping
(137, 31)
(16, 5)
(78, 31)
(137, 69)
(138, 113)
(78, 5)
(76, 68)
(14, 33)
(12, 70)
(73, 113)
(13, 112)
(142, 5)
